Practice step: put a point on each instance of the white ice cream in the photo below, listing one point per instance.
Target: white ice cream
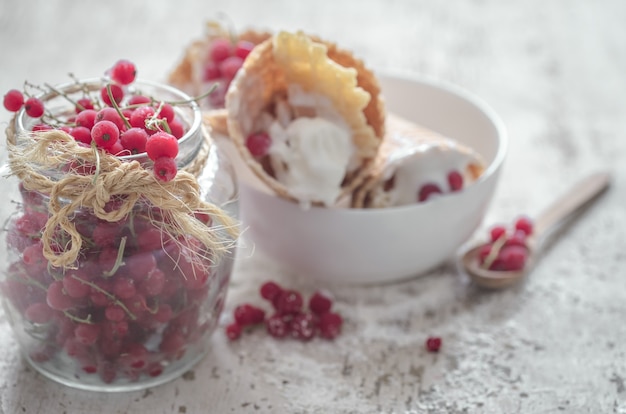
(310, 156)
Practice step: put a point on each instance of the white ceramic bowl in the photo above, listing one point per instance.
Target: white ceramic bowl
(381, 245)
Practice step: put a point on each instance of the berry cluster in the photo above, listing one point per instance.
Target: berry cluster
(135, 303)
(290, 318)
(224, 59)
(114, 119)
(507, 249)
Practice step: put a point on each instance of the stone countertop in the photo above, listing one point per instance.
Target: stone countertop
(555, 73)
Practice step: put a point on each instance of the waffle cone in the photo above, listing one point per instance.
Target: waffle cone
(402, 135)
(317, 66)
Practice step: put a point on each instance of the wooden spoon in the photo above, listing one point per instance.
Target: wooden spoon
(564, 207)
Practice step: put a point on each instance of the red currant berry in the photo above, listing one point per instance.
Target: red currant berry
(114, 313)
(105, 134)
(320, 302)
(124, 288)
(243, 49)
(134, 140)
(513, 257)
(139, 116)
(270, 290)
(87, 118)
(303, 326)
(162, 144)
(38, 313)
(455, 180)
(433, 344)
(330, 325)
(83, 104)
(34, 107)
(13, 100)
(74, 286)
(524, 224)
(230, 66)
(177, 129)
(211, 72)
(288, 302)
(517, 239)
(497, 232)
(167, 112)
(258, 144)
(41, 127)
(278, 325)
(165, 168)
(427, 191)
(116, 92)
(81, 134)
(87, 334)
(123, 72)
(138, 100)
(57, 298)
(247, 314)
(233, 331)
(110, 114)
(219, 50)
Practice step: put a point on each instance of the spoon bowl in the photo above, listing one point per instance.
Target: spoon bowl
(563, 208)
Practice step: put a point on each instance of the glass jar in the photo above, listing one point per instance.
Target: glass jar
(137, 301)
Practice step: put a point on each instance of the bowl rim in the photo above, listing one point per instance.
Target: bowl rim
(452, 89)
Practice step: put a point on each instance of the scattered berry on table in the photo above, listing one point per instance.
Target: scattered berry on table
(433, 344)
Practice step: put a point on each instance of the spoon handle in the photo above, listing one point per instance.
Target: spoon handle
(571, 202)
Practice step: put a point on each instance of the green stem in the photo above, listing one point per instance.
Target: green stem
(86, 320)
(117, 107)
(118, 260)
(107, 294)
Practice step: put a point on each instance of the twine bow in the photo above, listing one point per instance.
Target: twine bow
(46, 153)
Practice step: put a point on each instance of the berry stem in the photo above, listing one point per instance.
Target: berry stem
(107, 294)
(118, 260)
(75, 318)
(117, 107)
(64, 95)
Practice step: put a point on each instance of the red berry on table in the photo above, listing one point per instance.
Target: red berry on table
(243, 49)
(233, 331)
(105, 134)
(258, 144)
(162, 144)
(303, 326)
(455, 180)
(330, 325)
(220, 49)
(34, 107)
(123, 72)
(288, 302)
(270, 290)
(427, 191)
(13, 100)
(165, 168)
(433, 344)
(320, 302)
(230, 66)
(247, 314)
(524, 224)
(116, 91)
(278, 325)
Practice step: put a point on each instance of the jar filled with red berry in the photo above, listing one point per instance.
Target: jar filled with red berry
(118, 238)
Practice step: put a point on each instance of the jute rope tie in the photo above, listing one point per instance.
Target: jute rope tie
(50, 151)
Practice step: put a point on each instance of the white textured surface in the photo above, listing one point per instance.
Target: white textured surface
(556, 73)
